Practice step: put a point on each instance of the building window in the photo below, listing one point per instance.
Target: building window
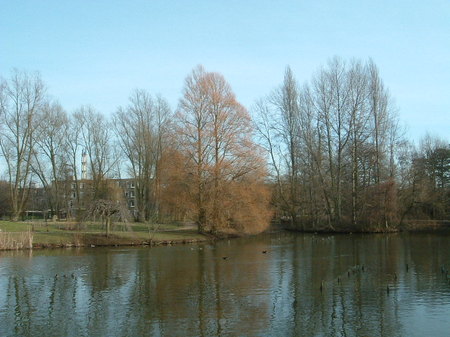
(74, 186)
(81, 185)
(131, 194)
(132, 184)
(131, 203)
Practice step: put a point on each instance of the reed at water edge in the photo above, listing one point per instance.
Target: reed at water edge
(16, 240)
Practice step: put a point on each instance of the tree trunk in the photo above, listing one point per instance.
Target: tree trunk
(108, 224)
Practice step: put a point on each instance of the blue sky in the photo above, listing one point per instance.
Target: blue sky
(96, 52)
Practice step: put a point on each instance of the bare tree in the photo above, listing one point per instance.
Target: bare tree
(141, 128)
(286, 100)
(50, 156)
(426, 195)
(70, 172)
(266, 125)
(97, 142)
(107, 210)
(21, 98)
(338, 136)
(278, 126)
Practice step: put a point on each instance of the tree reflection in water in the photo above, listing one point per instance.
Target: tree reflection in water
(303, 285)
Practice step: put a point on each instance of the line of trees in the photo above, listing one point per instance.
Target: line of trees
(198, 163)
(339, 157)
(326, 154)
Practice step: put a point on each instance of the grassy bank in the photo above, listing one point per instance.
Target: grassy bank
(22, 235)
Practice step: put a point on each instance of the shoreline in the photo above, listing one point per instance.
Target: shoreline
(118, 244)
(180, 236)
(413, 226)
(103, 241)
(39, 235)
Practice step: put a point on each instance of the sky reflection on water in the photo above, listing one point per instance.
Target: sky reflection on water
(305, 285)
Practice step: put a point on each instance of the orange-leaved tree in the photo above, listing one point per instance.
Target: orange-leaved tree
(215, 137)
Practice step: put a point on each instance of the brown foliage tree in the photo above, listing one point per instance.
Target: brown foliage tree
(177, 195)
(215, 130)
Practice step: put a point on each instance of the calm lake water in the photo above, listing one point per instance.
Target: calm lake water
(192, 290)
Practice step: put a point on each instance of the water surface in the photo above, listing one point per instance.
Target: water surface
(304, 285)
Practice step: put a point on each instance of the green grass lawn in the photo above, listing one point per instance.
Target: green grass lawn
(69, 233)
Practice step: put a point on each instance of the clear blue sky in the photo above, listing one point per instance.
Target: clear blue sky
(96, 52)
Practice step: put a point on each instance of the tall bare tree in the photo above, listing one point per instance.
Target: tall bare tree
(21, 98)
(97, 142)
(73, 145)
(50, 157)
(339, 136)
(278, 126)
(286, 100)
(141, 128)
